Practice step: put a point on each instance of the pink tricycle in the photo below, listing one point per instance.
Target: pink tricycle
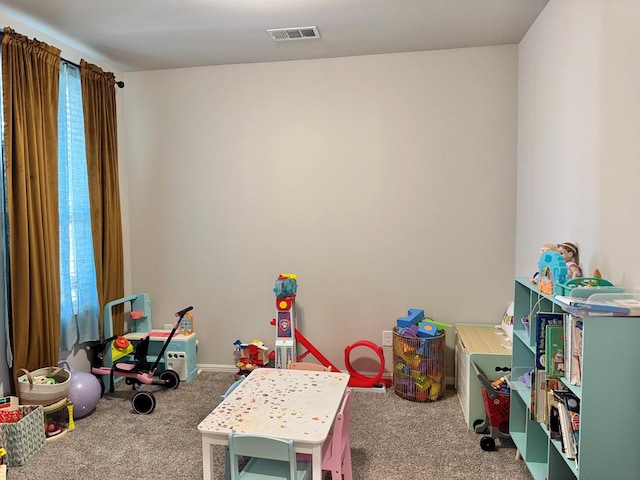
(138, 373)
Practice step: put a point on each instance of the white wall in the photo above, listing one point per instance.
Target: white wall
(578, 124)
(385, 182)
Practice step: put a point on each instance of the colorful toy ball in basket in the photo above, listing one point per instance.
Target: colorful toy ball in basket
(43, 386)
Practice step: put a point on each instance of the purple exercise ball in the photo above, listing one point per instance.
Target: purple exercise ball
(84, 393)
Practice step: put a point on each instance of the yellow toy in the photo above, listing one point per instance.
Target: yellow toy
(187, 326)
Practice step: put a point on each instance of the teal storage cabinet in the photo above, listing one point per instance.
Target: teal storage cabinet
(609, 396)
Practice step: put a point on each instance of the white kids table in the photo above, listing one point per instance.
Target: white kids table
(295, 405)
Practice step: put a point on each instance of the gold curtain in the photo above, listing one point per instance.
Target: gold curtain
(30, 70)
(99, 105)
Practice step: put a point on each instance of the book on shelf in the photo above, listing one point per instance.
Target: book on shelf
(554, 351)
(553, 417)
(544, 385)
(532, 395)
(540, 391)
(569, 411)
(542, 320)
(573, 350)
(567, 439)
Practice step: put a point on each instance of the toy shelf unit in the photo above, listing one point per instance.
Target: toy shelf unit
(608, 394)
(180, 354)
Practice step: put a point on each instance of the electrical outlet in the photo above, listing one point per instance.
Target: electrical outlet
(168, 326)
(387, 338)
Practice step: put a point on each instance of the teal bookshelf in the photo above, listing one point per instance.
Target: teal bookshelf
(609, 396)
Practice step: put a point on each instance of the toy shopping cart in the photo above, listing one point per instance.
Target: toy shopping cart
(496, 406)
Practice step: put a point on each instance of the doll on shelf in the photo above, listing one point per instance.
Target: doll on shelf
(569, 252)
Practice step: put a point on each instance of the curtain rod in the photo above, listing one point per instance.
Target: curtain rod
(120, 84)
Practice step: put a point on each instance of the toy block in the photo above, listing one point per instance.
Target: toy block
(427, 329)
(410, 331)
(414, 316)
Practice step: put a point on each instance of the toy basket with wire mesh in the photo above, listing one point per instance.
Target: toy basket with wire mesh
(496, 397)
(419, 368)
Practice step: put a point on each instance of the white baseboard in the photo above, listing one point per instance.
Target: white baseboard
(215, 367)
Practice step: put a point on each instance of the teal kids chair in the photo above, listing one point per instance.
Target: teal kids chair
(227, 457)
(271, 459)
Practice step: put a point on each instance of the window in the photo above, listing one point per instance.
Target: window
(80, 310)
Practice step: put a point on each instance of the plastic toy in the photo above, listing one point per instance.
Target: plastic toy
(187, 326)
(359, 380)
(553, 273)
(286, 285)
(417, 325)
(285, 289)
(547, 247)
(414, 317)
(138, 373)
(139, 321)
(58, 419)
(427, 329)
(287, 335)
(84, 392)
(496, 404)
(120, 347)
(249, 356)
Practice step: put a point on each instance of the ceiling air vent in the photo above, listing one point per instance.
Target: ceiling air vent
(295, 33)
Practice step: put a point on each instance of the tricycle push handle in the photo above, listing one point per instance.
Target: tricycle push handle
(182, 312)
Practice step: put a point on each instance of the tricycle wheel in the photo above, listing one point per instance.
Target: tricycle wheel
(170, 378)
(101, 382)
(487, 444)
(143, 402)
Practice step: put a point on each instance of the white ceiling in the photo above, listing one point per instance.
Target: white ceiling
(137, 35)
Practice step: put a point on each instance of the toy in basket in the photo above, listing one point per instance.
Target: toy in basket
(43, 386)
(496, 399)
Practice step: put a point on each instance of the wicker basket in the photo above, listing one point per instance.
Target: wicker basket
(23, 439)
(33, 393)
